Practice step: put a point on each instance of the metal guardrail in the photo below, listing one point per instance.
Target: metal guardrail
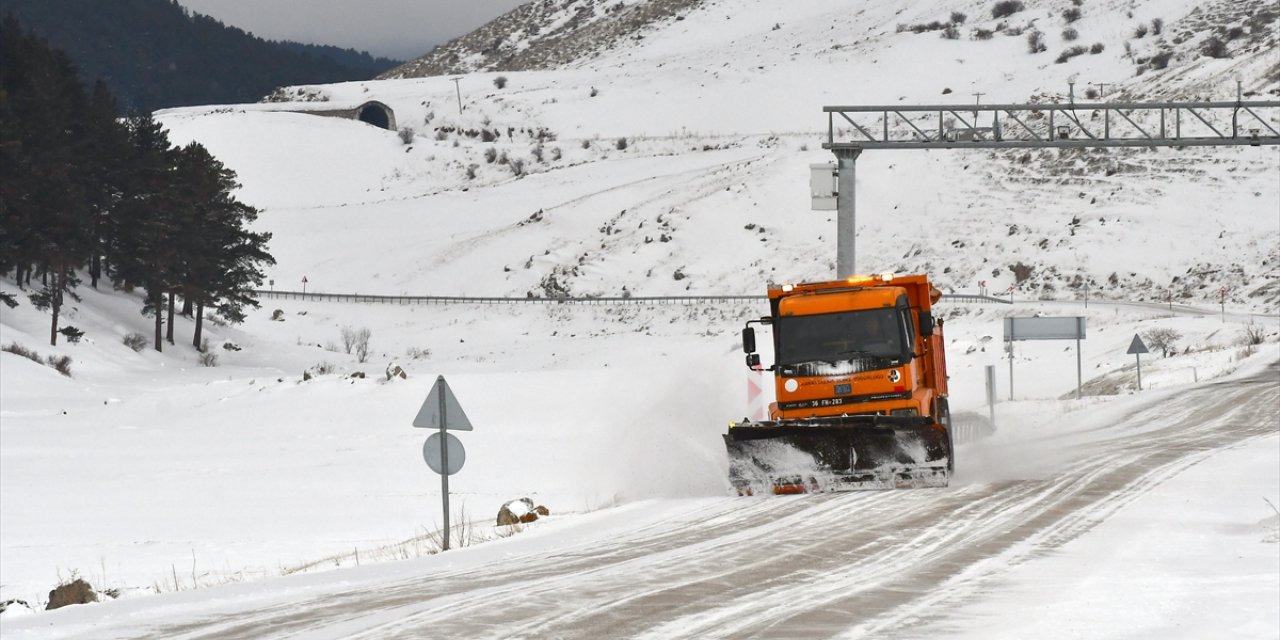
(602, 300)
(965, 297)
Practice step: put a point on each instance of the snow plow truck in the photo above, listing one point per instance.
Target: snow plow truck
(861, 385)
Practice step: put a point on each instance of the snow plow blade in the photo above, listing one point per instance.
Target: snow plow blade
(845, 453)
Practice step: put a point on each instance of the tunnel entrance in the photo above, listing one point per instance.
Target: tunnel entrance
(376, 114)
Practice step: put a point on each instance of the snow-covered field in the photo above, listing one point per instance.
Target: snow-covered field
(148, 473)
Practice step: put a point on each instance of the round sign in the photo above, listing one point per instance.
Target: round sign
(431, 453)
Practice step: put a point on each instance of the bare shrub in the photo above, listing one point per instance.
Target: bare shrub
(1035, 41)
(1071, 14)
(1091, 93)
(361, 344)
(1070, 53)
(586, 144)
(1140, 31)
(936, 25)
(1253, 334)
(357, 341)
(208, 359)
(500, 82)
(1157, 26)
(1070, 34)
(982, 34)
(555, 154)
(442, 135)
(471, 171)
(1097, 48)
(958, 17)
(62, 364)
(621, 144)
(951, 32)
(406, 135)
(1163, 339)
(1160, 60)
(1006, 8)
(490, 155)
(1214, 47)
(20, 350)
(517, 167)
(135, 341)
(537, 153)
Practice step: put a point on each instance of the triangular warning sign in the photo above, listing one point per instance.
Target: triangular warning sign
(1137, 346)
(429, 415)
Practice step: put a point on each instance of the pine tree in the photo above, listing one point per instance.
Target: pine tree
(143, 225)
(46, 216)
(220, 257)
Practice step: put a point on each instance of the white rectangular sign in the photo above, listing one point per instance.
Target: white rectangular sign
(1043, 329)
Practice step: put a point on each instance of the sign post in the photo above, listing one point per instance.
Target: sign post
(304, 284)
(1137, 348)
(442, 451)
(991, 393)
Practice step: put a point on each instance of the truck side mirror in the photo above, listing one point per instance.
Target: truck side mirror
(748, 340)
(926, 324)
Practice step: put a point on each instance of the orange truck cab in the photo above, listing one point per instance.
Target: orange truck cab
(859, 371)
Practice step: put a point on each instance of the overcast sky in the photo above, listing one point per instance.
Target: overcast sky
(403, 29)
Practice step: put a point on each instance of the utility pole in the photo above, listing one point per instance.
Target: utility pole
(458, 89)
(1102, 88)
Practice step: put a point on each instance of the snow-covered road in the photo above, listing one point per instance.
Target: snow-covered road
(831, 565)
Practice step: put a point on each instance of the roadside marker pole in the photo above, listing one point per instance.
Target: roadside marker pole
(444, 477)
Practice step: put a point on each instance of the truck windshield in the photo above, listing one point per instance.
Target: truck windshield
(836, 337)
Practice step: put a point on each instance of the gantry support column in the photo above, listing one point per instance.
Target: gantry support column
(846, 232)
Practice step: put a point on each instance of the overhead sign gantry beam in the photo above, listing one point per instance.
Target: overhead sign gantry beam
(1020, 126)
(854, 129)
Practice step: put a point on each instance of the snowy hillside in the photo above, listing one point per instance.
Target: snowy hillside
(720, 114)
(669, 157)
